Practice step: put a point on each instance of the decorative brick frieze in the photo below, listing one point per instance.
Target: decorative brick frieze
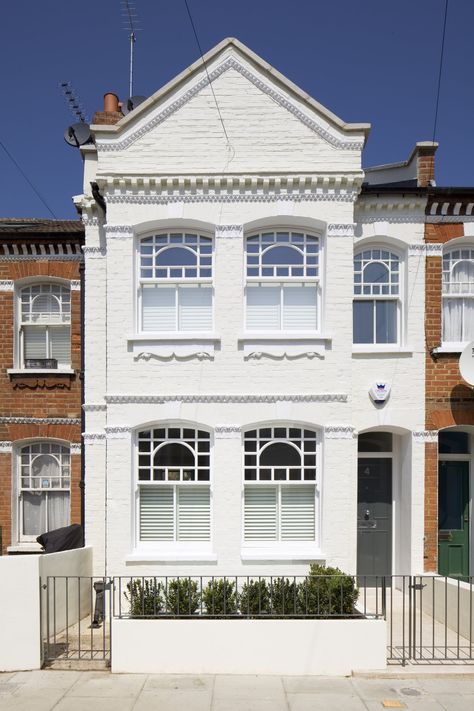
(159, 399)
(229, 231)
(425, 436)
(227, 431)
(6, 447)
(118, 432)
(336, 230)
(339, 432)
(7, 285)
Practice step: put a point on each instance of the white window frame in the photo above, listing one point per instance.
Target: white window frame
(278, 548)
(176, 282)
(373, 297)
(18, 536)
(19, 348)
(175, 549)
(282, 281)
(446, 294)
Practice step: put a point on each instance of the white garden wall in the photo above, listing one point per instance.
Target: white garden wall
(290, 647)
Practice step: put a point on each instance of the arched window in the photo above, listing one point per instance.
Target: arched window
(280, 471)
(458, 296)
(44, 482)
(174, 484)
(377, 292)
(45, 326)
(175, 276)
(283, 281)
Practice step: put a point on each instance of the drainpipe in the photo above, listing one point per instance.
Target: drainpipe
(82, 483)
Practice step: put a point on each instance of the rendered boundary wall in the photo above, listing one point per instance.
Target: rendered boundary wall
(451, 602)
(20, 614)
(290, 647)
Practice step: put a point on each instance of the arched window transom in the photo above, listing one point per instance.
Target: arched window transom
(280, 454)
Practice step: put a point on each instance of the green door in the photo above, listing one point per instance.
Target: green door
(453, 518)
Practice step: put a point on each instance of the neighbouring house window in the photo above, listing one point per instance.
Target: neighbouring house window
(44, 482)
(458, 296)
(175, 277)
(377, 290)
(283, 281)
(174, 484)
(280, 484)
(45, 325)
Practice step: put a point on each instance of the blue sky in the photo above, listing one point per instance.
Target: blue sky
(372, 60)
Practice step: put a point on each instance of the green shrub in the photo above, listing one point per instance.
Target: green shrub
(283, 597)
(327, 592)
(182, 597)
(220, 597)
(254, 598)
(145, 597)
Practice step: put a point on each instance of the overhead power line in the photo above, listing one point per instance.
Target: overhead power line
(435, 123)
(20, 169)
(205, 68)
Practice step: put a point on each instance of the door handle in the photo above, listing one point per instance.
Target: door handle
(366, 515)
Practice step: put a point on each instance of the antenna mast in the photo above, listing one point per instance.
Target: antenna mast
(130, 18)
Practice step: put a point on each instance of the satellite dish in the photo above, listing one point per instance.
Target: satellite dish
(132, 103)
(466, 363)
(77, 134)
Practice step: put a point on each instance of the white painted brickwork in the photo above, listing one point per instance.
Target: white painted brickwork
(266, 138)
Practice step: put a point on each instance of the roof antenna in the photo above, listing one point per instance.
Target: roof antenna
(130, 16)
(78, 133)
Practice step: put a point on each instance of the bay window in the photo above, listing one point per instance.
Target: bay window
(44, 326)
(458, 296)
(175, 282)
(283, 283)
(377, 291)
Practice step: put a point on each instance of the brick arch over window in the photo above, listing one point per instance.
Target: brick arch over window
(454, 417)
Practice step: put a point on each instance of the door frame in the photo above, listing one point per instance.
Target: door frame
(469, 459)
(394, 456)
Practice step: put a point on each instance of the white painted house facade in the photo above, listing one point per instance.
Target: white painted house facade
(225, 394)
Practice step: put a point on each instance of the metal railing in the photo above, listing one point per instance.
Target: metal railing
(158, 597)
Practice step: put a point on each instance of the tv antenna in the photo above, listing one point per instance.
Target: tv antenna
(130, 19)
(78, 133)
(73, 102)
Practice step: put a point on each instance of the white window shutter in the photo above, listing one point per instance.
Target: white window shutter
(297, 513)
(158, 308)
(34, 342)
(156, 513)
(260, 513)
(195, 308)
(263, 308)
(194, 513)
(300, 308)
(60, 344)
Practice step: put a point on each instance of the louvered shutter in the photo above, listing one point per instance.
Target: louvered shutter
(156, 513)
(260, 513)
(34, 342)
(263, 308)
(60, 344)
(158, 308)
(300, 312)
(297, 513)
(195, 308)
(194, 513)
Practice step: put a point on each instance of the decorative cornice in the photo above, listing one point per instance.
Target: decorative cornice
(429, 250)
(229, 231)
(230, 63)
(170, 354)
(94, 252)
(160, 399)
(339, 432)
(425, 436)
(45, 257)
(7, 285)
(335, 230)
(75, 448)
(31, 252)
(118, 432)
(93, 437)
(391, 218)
(40, 420)
(285, 355)
(6, 447)
(94, 407)
(448, 219)
(75, 285)
(91, 221)
(119, 231)
(227, 431)
(224, 197)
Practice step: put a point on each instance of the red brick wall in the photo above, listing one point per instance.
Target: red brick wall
(449, 401)
(39, 396)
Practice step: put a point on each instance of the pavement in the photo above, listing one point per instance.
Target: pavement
(93, 691)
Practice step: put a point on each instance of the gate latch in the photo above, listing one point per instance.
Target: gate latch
(417, 586)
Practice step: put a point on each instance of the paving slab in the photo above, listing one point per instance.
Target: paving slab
(70, 703)
(325, 702)
(425, 704)
(247, 704)
(448, 686)
(173, 700)
(248, 687)
(375, 689)
(179, 682)
(47, 679)
(456, 702)
(5, 676)
(103, 684)
(32, 700)
(317, 684)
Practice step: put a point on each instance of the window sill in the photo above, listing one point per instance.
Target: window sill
(364, 349)
(27, 547)
(278, 553)
(168, 556)
(179, 345)
(41, 371)
(173, 336)
(289, 345)
(450, 348)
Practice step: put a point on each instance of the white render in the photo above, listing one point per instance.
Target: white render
(290, 163)
(290, 647)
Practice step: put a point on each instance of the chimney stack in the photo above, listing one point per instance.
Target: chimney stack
(425, 163)
(111, 113)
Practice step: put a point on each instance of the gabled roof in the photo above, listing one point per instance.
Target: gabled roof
(36, 226)
(264, 67)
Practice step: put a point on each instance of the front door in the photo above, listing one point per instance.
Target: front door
(374, 516)
(453, 518)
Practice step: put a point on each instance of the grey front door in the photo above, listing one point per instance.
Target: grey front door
(374, 516)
